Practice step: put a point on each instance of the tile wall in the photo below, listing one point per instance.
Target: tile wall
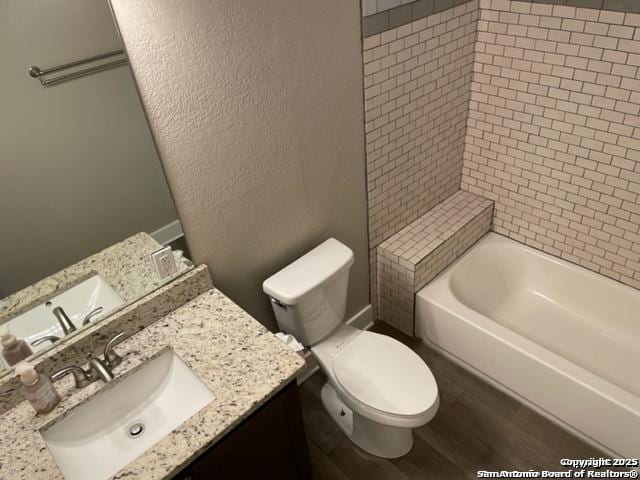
(553, 134)
(381, 15)
(417, 85)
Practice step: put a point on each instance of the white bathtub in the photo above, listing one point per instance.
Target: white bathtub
(563, 339)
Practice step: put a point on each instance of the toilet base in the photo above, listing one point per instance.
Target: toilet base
(372, 437)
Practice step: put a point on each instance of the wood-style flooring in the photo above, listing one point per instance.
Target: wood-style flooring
(476, 428)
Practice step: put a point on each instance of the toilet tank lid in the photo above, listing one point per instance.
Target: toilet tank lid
(308, 272)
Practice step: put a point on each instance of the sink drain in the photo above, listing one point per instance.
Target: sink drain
(136, 430)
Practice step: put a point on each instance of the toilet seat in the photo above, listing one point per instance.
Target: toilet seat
(386, 378)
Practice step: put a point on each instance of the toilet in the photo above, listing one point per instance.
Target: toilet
(378, 390)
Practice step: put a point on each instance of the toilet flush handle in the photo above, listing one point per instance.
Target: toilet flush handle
(277, 302)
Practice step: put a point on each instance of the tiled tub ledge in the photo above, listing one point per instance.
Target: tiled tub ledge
(415, 255)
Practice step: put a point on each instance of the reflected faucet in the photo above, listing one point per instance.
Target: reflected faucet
(64, 321)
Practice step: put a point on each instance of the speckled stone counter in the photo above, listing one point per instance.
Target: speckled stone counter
(240, 361)
(125, 266)
(92, 339)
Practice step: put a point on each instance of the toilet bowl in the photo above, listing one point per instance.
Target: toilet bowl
(378, 390)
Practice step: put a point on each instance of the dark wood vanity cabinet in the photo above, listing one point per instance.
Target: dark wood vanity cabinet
(270, 444)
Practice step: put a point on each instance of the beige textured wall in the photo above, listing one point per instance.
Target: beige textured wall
(554, 131)
(78, 168)
(257, 111)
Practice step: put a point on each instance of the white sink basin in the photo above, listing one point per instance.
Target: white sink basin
(97, 440)
(77, 302)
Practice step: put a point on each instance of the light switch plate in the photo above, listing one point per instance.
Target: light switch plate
(164, 262)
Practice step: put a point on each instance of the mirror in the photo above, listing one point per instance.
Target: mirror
(83, 198)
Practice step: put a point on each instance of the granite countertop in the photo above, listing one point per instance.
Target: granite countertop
(241, 362)
(125, 266)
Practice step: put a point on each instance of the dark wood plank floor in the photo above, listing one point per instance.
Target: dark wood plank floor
(477, 428)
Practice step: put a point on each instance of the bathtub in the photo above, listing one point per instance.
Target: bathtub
(560, 338)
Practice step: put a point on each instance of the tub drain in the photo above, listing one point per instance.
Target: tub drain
(135, 430)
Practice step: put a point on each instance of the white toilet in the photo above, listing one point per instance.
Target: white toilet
(378, 389)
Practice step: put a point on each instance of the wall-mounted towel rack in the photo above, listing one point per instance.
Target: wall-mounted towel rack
(38, 73)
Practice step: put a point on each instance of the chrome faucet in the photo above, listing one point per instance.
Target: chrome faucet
(64, 321)
(97, 369)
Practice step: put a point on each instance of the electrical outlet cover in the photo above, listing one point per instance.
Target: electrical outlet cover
(164, 262)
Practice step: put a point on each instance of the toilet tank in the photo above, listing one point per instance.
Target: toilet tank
(309, 296)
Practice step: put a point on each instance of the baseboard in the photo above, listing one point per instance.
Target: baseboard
(167, 234)
(362, 320)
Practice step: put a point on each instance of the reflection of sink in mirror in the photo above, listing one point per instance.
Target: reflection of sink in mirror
(120, 423)
(77, 303)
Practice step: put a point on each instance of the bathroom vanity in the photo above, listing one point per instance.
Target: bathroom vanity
(271, 443)
(248, 425)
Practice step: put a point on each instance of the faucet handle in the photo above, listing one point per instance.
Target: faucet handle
(80, 376)
(47, 338)
(111, 357)
(89, 316)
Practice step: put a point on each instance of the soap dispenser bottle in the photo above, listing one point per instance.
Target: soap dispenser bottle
(37, 388)
(13, 350)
